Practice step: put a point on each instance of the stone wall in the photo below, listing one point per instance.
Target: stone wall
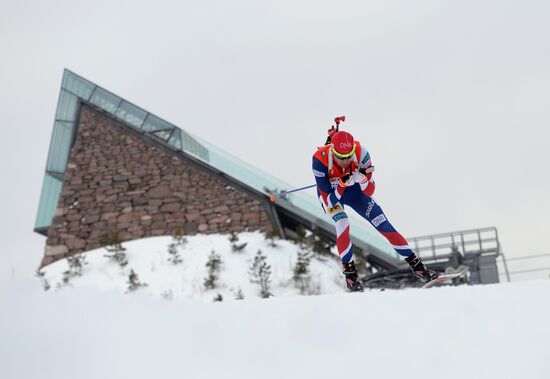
(118, 182)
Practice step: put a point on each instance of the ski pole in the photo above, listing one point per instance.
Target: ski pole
(274, 196)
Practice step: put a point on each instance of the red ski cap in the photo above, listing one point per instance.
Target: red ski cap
(343, 145)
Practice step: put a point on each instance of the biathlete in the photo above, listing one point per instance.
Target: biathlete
(343, 172)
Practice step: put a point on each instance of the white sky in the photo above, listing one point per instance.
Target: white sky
(452, 99)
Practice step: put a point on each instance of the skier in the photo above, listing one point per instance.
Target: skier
(343, 172)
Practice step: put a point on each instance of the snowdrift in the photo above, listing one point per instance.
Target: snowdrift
(493, 331)
(150, 259)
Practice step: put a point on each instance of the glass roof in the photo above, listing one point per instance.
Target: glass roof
(75, 88)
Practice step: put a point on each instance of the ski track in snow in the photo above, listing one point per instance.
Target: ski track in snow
(91, 329)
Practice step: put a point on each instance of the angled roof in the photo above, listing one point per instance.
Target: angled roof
(75, 89)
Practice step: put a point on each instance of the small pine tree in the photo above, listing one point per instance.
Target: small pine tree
(302, 263)
(133, 282)
(117, 252)
(260, 273)
(300, 236)
(75, 262)
(218, 298)
(239, 295)
(179, 239)
(42, 276)
(319, 243)
(271, 236)
(174, 255)
(167, 295)
(214, 266)
(301, 276)
(235, 247)
(233, 237)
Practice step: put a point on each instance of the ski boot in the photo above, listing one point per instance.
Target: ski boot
(419, 269)
(352, 279)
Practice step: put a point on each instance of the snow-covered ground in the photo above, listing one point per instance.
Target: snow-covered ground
(150, 260)
(92, 329)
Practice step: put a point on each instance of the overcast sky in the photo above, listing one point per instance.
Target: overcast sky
(452, 98)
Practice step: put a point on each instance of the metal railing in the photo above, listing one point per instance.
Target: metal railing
(440, 246)
(477, 248)
(532, 268)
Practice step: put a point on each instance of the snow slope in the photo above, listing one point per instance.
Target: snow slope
(149, 258)
(493, 331)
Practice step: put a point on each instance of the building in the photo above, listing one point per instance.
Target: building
(116, 169)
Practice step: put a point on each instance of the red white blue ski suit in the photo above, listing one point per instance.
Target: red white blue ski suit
(334, 198)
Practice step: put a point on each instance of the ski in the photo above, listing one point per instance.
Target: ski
(445, 277)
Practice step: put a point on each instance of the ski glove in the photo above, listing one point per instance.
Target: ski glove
(346, 180)
(358, 176)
